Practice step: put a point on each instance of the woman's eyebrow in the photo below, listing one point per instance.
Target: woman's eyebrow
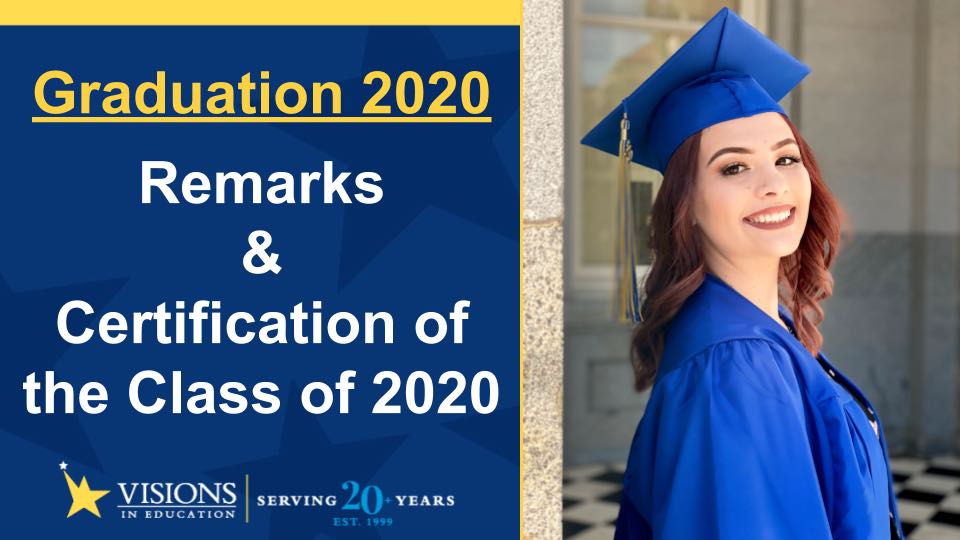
(742, 150)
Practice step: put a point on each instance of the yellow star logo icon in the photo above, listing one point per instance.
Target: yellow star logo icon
(84, 498)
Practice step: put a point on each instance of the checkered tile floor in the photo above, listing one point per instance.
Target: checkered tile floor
(928, 497)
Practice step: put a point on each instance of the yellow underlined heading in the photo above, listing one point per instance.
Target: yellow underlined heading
(278, 12)
(262, 119)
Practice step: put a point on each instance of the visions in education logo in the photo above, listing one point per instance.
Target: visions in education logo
(82, 496)
(158, 500)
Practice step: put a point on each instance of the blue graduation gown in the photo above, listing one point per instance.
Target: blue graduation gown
(746, 436)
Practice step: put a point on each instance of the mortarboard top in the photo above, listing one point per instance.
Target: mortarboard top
(727, 70)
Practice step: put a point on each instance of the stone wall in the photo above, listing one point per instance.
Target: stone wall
(542, 275)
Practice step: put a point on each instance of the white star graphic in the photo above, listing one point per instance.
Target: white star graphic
(63, 466)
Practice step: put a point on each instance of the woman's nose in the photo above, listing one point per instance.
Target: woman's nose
(771, 181)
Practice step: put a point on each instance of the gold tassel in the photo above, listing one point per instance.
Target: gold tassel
(627, 301)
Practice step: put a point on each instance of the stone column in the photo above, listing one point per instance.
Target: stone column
(542, 272)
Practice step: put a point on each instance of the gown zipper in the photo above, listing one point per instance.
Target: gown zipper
(894, 533)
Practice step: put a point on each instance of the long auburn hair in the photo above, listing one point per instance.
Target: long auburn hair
(678, 266)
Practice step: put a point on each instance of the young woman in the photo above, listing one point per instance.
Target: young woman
(749, 432)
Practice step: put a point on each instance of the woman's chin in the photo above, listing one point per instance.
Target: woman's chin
(784, 250)
(777, 248)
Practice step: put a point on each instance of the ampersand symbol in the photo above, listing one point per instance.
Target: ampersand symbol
(259, 242)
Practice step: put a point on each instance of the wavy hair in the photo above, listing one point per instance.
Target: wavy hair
(678, 266)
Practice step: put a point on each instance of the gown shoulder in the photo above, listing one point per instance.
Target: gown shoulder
(722, 451)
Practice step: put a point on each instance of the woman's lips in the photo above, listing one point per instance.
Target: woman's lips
(773, 225)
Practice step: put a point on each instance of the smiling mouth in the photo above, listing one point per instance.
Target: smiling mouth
(773, 220)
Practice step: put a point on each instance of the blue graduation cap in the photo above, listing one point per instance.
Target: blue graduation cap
(727, 70)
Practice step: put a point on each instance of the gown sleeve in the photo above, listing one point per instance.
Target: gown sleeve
(725, 453)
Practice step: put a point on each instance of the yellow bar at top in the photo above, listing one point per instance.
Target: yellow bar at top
(280, 12)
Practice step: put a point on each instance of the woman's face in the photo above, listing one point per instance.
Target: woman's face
(752, 192)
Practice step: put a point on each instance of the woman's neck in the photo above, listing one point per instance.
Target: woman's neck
(756, 281)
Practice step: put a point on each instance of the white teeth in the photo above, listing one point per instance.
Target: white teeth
(771, 218)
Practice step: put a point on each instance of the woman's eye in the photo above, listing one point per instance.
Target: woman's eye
(793, 160)
(732, 169)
